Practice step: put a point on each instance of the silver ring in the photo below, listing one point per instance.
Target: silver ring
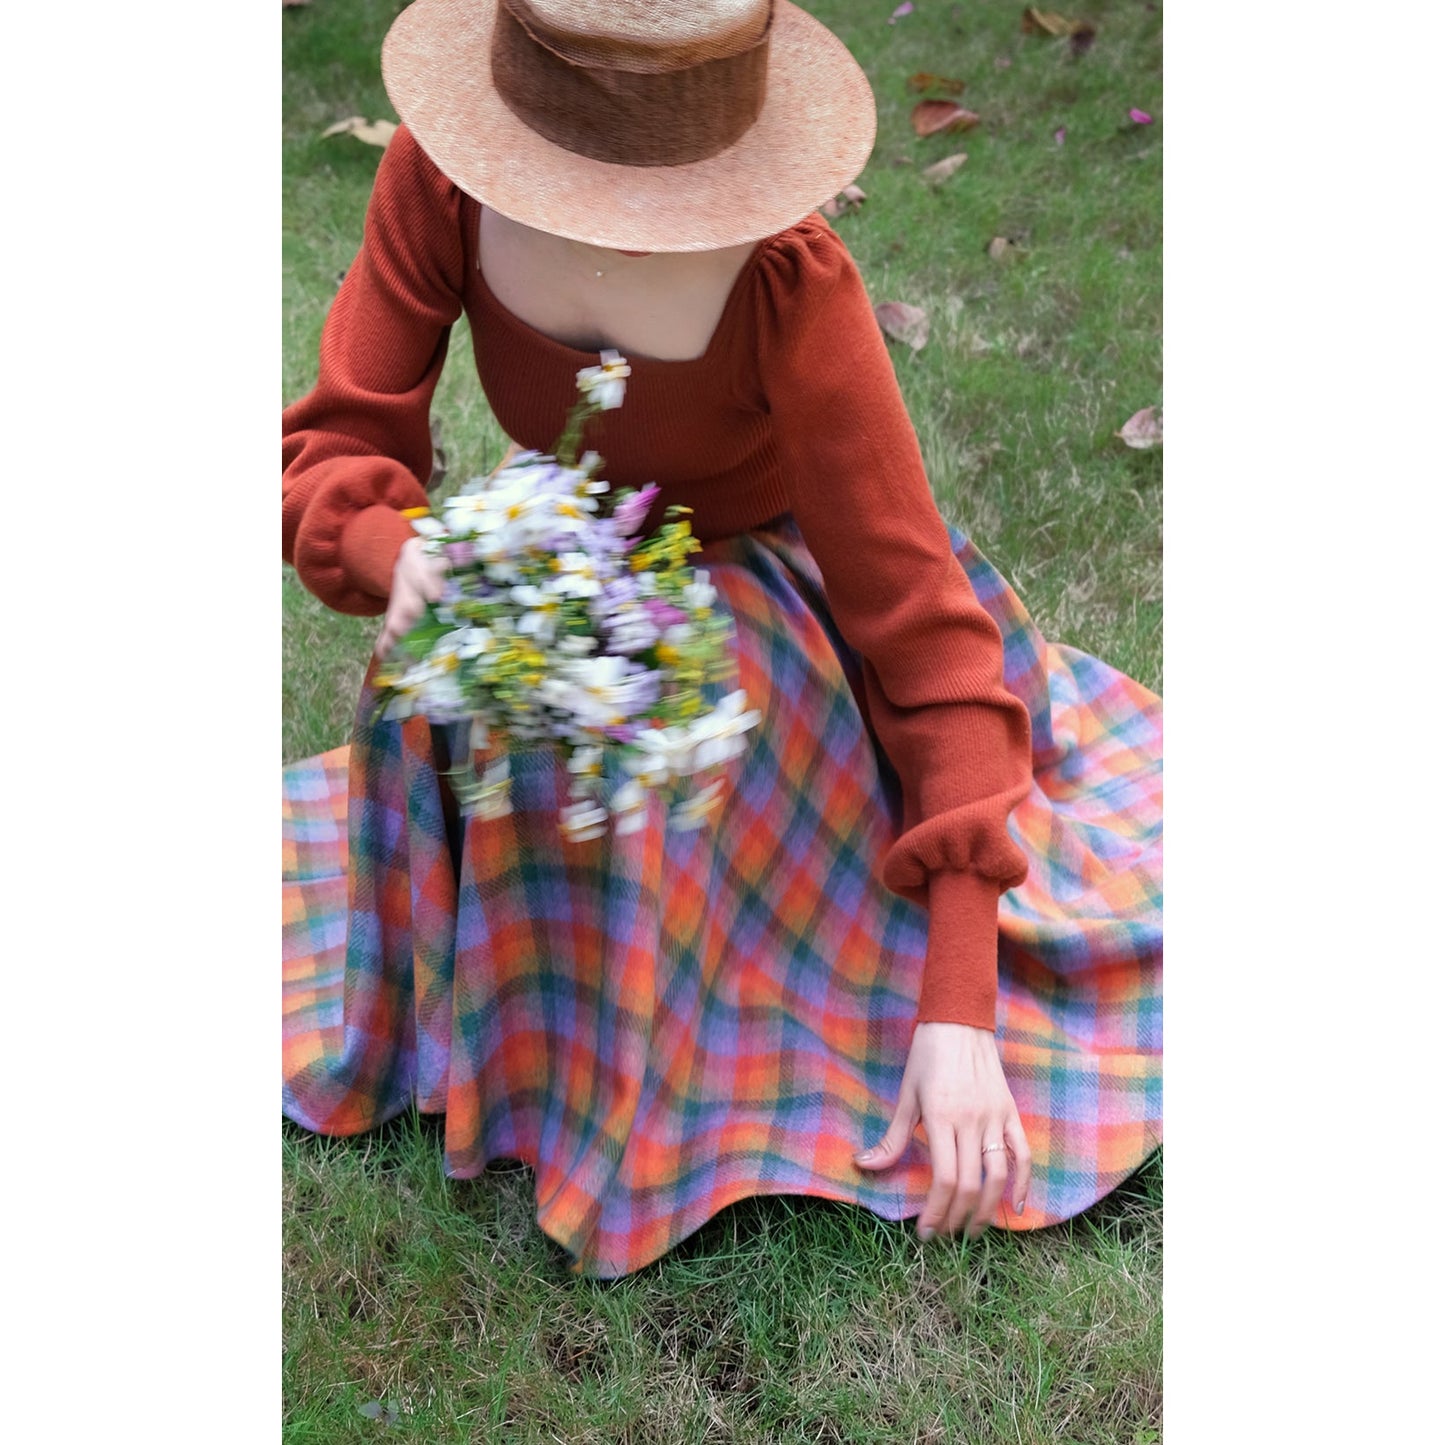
(991, 1148)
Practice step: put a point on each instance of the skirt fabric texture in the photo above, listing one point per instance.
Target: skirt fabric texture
(664, 1023)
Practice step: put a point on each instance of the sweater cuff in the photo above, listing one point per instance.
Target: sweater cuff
(960, 970)
(369, 546)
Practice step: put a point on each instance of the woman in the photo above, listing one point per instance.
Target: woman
(666, 1023)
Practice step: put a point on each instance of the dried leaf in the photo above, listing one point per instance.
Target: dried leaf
(940, 171)
(1046, 22)
(1140, 117)
(1143, 430)
(904, 9)
(924, 80)
(1002, 248)
(939, 117)
(373, 132)
(903, 322)
(850, 198)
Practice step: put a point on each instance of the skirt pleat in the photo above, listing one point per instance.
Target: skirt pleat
(664, 1023)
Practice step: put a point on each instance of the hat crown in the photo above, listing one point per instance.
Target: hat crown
(655, 22)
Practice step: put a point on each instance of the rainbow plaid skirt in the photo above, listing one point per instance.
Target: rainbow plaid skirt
(663, 1023)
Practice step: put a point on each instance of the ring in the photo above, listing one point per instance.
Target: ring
(990, 1148)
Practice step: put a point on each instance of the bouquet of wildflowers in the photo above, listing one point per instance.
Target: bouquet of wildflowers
(561, 624)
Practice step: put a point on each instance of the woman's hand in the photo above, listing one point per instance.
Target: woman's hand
(415, 580)
(953, 1080)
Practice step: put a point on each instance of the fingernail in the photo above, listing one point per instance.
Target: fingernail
(1019, 1207)
(865, 1156)
(925, 1231)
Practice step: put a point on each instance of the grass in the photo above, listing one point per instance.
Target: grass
(781, 1320)
(785, 1320)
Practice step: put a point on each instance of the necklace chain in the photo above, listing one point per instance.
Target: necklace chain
(580, 248)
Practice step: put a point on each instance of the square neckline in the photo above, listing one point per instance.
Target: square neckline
(473, 234)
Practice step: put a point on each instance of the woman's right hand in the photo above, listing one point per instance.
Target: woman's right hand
(415, 580)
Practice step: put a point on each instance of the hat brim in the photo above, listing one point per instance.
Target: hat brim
(813, 136)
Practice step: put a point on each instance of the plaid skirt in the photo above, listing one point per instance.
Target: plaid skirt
(663, 1023)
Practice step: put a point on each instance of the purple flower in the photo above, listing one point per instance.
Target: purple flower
(459, 554)
(618, 591)
(631, 512)
(1140, 117)
(664, 614)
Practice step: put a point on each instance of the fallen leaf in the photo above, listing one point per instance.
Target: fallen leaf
(940, 171)
(373, 132)
(1046, 22)
(903, 322)
(1140, 117)
(1060, 134)
(926, 80)
(904, 9)
(850, 198)
(935, 117)
(1002, 248)
(1143, 430)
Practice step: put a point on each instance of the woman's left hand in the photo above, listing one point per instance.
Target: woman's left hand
(953, 1081)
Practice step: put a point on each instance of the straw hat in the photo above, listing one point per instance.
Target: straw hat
(657, 125)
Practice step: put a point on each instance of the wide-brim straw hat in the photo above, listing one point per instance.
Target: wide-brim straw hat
(650, 125)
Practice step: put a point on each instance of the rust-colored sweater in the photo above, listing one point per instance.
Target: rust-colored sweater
(794, 406)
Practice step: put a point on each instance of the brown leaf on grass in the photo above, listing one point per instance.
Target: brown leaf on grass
(1047, 22)
(1003, 248)
(373, 132)
(939, 117)
(1143, 430)
(1081, 37)
(925, 80)
(850, 198)
(903, 322)
(940, 171)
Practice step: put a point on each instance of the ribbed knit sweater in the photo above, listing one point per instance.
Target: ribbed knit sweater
(794, 407)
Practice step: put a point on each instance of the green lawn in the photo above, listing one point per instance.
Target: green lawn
(786, 1320)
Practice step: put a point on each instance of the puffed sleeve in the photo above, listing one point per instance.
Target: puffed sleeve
(357, 451)
(933, 658)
